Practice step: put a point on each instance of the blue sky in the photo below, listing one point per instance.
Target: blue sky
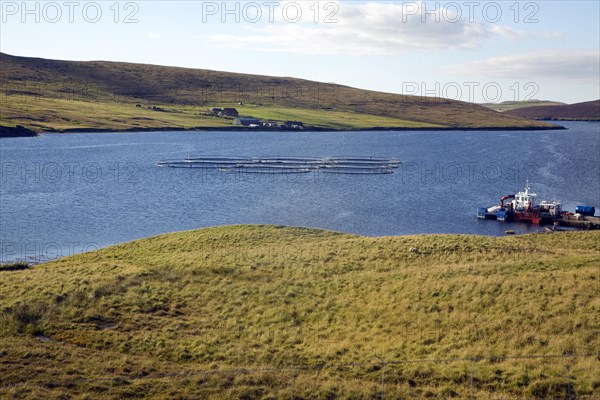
(466, 50)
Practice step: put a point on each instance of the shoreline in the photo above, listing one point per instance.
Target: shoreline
(308, 129)
(560, 119)
(38, 259)
(16, 131)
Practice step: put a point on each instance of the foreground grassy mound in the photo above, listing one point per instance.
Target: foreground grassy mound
(46, 95)
(263, 312)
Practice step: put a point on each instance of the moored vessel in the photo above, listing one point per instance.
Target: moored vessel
(523, 207)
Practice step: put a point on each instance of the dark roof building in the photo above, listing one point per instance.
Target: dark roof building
(247, 121)
(229, 112)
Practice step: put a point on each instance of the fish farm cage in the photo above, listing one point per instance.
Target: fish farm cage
(287, 165)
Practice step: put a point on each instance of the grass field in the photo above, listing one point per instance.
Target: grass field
(513, 105)
(59, 114)
(52, 114)
(267, 312)
(330, 118)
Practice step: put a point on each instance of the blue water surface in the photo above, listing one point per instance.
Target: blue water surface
(66, 193)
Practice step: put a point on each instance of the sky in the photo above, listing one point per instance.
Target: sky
(476, 51)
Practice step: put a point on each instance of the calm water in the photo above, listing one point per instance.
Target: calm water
(62, 194)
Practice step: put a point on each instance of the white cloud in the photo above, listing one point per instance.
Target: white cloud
(510, 33)
(571, 65)
(367, 29)
(152, 35)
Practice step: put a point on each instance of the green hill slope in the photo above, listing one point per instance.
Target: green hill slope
(264, 312)
(59, 95)
(513, 105)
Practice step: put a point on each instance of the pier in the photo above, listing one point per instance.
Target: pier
(579, 221)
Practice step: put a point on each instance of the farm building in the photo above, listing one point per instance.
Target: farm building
(293, 125)
(247, 121)
(229, 112)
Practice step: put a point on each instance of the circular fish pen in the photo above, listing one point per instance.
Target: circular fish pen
(288, 165)
(356, 170)
(262, 170)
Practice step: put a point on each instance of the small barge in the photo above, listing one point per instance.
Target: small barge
(522, 207)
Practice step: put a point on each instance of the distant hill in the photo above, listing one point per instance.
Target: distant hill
(44, 95)
(589, 111)
(512, 105)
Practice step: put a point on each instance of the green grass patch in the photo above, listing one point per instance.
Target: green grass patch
(330, 118)
(52, 114)
(44, 114)
(513, 105)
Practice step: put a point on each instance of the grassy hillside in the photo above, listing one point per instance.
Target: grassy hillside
(589, 111)
(513, 105)
(57, 95)
(265, 312)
